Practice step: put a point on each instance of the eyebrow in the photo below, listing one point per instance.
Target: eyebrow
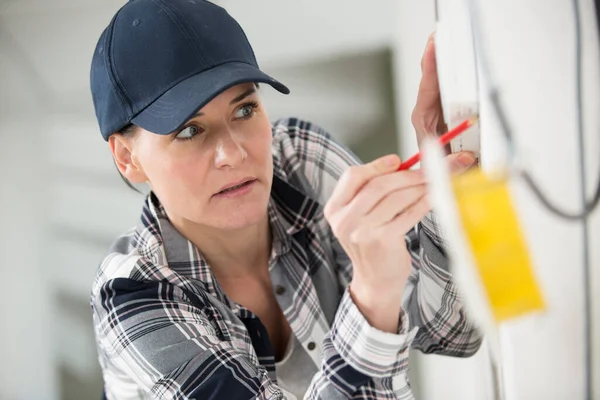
(242, 96)
(237, 99)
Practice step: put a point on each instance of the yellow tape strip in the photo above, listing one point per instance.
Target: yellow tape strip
(499, 249)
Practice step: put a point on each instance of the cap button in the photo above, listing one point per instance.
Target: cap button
(136, 22)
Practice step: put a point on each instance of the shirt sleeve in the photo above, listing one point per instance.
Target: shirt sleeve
(361, 362)
(432, 302)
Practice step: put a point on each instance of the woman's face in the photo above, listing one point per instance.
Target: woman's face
(217, 171)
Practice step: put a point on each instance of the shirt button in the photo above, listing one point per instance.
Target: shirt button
(279, 290)
(311, 346)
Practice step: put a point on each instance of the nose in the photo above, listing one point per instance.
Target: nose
(229, 151)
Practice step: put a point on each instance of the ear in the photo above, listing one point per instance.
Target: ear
(121, 148)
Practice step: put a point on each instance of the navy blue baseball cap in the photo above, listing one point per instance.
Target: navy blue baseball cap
(159, 61)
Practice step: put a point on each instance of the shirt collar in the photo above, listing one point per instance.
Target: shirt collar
(289, 213)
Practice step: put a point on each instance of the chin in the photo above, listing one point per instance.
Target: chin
(238, 213)
(230, 213)
(240, 217)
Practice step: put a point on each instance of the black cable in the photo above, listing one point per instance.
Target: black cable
(507, 131)
(585, 228)
(597, 5)
(587, 207)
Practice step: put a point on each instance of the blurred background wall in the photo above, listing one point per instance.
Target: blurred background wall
(353, 68)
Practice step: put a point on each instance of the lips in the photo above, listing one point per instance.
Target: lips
(232, 187)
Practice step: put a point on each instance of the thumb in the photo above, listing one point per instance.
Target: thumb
(461, 161)
(383, 164)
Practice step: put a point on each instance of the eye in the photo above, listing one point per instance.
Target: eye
(246, 111)
(188, 133)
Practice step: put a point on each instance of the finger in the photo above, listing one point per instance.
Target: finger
(393, 204)
(427, 116)
(410, 217)
(430, 40)
(353, 180)
(429, 89)
(397, 227)
(461, 161)
(378, 188)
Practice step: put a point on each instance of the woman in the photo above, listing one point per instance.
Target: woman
(268, 262)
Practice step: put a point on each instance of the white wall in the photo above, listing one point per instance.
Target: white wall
(290, 32)
(26, 371)
(538, 85)
(531, 47)
(54, 230)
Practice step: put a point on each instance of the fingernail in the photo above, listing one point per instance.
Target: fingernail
(466, 160)
(390, 161)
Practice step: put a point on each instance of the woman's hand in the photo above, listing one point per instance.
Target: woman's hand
(373, 207)
(370, 211)
(427, 116)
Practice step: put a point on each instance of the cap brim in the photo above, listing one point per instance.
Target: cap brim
(176, 106)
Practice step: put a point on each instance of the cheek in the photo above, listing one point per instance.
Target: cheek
(178, 178)
(185, 171)
(259, 146)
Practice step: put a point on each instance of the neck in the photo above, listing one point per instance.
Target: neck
(231, 253)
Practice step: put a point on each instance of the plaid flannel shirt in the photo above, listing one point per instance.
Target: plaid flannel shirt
(165, 329)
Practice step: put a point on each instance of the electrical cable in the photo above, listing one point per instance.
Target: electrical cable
(585, 226)
(506, 128)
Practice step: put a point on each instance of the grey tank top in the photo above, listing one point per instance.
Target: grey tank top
(295, 371)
